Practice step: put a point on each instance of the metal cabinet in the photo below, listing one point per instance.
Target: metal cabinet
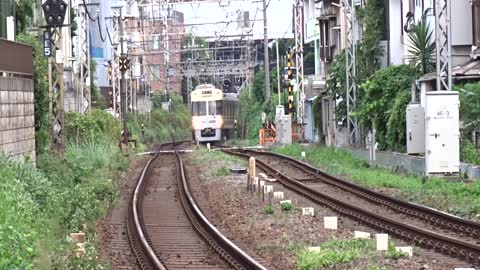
(442, 151)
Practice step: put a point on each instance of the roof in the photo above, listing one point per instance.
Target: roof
(471, 70)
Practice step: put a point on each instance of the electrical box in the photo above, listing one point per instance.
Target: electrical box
(415, 129)
(442, 146)
(283, 126)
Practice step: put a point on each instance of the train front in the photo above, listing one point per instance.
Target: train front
(207, 119)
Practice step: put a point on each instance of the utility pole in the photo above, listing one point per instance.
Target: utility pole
(54, 12)
(443, 41)
(115, 69)
(350, 56)
(265, 49)
(278, 74)
(57, 92)
(84, 99)
(123, 89)
(298, 19)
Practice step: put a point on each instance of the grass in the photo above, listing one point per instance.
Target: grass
(203, 157)
(40, 205)
(337, 252)
(333, 253)
(268, 210)
(392, 252)
(223, 171)
(458, 198)
(286, 206)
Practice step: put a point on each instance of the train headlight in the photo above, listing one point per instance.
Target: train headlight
(219, 121)
(196, 122)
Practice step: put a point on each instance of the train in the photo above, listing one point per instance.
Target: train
(214, 113)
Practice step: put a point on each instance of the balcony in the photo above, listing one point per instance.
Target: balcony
(326, 9)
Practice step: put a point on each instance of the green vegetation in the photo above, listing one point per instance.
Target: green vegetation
(470, 115)
(40, 80)
(39, 206)
(422, 48)
(392, 252)
(384, 100)
(286, 206)
(337, 252)
(97, 126)
(369, 51)
(202, 157)
(252, 104)
(457, 198)
(163, 126)
(268, 210)
(334, 252)
(223, 171)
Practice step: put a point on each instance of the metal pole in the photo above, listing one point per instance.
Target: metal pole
(265, 49)
(278, 74)
(123, 92)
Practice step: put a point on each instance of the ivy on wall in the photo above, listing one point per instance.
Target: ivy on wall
(384, 100)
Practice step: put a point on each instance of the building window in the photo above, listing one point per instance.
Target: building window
(154, 72)
(154, 42)
(476, 22)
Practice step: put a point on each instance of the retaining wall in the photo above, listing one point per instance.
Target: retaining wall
(17, 118)
(407, 163)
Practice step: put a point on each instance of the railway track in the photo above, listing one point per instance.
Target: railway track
(166, 228)
(421, 225)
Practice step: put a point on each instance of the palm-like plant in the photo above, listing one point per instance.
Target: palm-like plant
(422, 48)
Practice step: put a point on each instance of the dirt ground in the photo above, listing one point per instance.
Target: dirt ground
(277, 238)
(112, 229)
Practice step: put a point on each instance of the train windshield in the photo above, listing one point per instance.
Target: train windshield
(200, 108)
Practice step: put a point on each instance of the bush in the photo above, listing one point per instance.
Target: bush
(287, 206)
(387, 86)
(96, 126)
(20, 218)
(162, 125)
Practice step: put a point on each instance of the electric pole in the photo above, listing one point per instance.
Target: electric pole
(278, 74)
(265, 49)
(54, 12)
(123, 92)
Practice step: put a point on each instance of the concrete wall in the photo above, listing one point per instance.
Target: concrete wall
(17, 118)
(409, 164)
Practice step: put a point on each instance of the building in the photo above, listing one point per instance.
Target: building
(327, 17)
(156, 42)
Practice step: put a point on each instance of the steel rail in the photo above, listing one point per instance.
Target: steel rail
(225, 247)
(428, 214)
(141, 245)
(422, 237)
(138, 238)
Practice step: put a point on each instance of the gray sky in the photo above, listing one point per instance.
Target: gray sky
(279, 16)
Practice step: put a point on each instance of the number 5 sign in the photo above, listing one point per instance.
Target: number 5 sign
(47, 43)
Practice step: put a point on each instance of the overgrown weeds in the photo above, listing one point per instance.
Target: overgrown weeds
(268, 210)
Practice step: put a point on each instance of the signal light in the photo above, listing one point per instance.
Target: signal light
(124, 63)
(290, 105)
(54, 11)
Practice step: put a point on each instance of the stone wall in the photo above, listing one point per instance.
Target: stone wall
(17, 117)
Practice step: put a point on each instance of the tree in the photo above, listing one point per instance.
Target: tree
(372, 19)
(422, 47)
(98, 101)
(23, 13)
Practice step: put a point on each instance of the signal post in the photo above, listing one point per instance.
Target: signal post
(283, 117)
(54, 11)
